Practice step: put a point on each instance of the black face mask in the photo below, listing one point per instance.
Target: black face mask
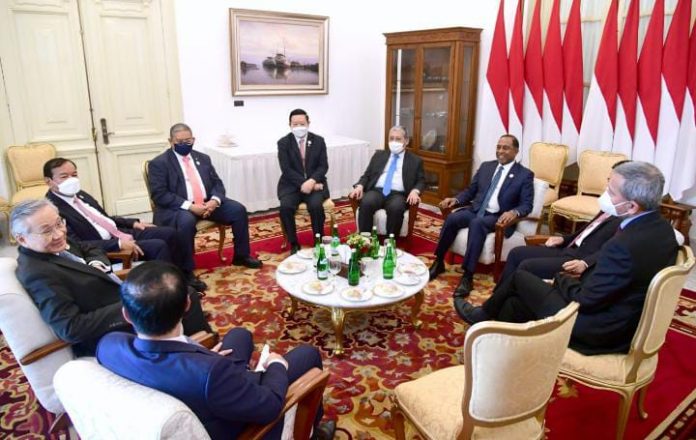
(183, 149)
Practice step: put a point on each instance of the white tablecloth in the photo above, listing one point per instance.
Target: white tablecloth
(251, 172)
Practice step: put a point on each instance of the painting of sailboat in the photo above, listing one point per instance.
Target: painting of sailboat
(277, 53)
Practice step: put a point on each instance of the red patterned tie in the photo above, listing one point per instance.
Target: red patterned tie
(102, 221)
(193, 179)
(589, 228)
(302, 151)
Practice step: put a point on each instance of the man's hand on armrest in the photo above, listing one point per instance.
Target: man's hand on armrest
(357, 192)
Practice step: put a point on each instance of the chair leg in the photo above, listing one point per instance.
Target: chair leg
(398, 420)
(624, 409)
(221, 229)
(552, 226)
(641, 402)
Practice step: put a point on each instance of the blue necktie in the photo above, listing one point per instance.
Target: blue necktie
(482, 210)
(386, 189)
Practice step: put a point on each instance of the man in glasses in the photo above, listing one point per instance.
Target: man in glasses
(186, 188)
(71, 283)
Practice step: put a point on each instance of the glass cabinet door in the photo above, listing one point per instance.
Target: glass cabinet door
(434, 100)
(402, 88)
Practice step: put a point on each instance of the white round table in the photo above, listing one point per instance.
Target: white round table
(338, 305)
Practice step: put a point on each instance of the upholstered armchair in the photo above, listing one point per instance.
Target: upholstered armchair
(626, 374)
(329, 210)
(548, 162)
(26, 163)
(380, 219)
(5, 209)
(497, 246)
(132, 408)
(502, 389)
(595, 167)
(201, 225)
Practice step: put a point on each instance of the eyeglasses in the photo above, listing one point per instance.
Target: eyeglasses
(48, 234)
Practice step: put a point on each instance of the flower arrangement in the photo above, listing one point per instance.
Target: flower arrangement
(359, 242)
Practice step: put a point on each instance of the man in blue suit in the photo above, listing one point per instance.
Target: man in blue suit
(216, 384)
(500, 191)
(186, 188)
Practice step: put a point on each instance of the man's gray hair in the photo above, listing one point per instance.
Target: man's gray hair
(402, 128)
(179, 126)
(643, 183)
(21, 213)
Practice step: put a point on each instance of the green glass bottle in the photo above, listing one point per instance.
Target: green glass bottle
(322, 265)
(335, 240)
(317, 246)
(374, 244)
(392, 240)
(354, 269)
(389, 261)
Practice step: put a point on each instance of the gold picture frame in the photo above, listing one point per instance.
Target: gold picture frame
(278, 53)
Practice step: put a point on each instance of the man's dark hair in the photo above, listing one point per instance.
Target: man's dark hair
(298, 111)
(155, 295)
(179, 126)
(515, 142)
(52, 164)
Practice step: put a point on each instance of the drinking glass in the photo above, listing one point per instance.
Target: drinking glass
(334, 265)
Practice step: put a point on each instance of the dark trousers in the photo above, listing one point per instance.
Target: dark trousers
(479, 228)
(162, 243)
(315, 206)
(373, 200)
(300, 360)
(523, 297)
(542, 261)
(230, 212)
(194, 320)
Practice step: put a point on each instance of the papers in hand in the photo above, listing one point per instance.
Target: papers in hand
(262, 359)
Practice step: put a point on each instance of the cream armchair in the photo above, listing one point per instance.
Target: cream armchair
(26, 163)
(627, 373)
(379, 219)
(132, 410)
(496, 247)
(548, 162)
(502, 389)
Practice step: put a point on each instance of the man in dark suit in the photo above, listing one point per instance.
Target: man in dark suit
(500, 191)
(393, 179)
(89, 223)
(72, 283)
(216, 384)
(185, 188)
(303, 165)
(611, 292)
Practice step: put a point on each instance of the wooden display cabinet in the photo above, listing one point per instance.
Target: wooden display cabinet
(431, 91)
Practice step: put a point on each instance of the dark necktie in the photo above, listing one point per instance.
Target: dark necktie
(482, 210)
(386, 189)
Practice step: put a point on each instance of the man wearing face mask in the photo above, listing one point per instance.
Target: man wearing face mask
(611, 292)
(303, 165)
(500, 191)
(393, 179)
(88, 222)
(186, 188)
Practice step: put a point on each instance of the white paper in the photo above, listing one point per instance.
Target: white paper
(265, 351)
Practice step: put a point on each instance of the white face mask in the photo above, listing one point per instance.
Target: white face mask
(607, 206)
(396, 147)
(299, 131)
(69, 187)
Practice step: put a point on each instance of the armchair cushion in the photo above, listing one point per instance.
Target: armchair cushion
(608, 368)
(29, 193)
(581, 207)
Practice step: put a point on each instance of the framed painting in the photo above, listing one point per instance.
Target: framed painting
(277, 53)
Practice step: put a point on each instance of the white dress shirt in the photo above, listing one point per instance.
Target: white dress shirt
(493, 205)
(103, 233)
(398, 180)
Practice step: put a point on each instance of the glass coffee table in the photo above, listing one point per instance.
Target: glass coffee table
(297, 276)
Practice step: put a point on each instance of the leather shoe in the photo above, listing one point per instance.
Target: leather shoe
(248, 261)
(294, 248)
(198, 285)
(468, 312)
(325, 431)
(464, 287)
(436, 268)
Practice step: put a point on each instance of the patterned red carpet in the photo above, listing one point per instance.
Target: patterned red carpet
(383, 349)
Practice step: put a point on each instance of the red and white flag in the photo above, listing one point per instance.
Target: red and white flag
(597, 131)
(684, 170)
(675, 55)
(552, 116)
(534, 84)
(516, 75)
(628, 83)
(572, 81)
(496, 91)
(649, 87)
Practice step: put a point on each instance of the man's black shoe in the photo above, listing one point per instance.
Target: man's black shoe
(436, 268)
(469, 313)
(325, 431)
(248, 261)
(198, 285)
(464, 287)
(294, 248)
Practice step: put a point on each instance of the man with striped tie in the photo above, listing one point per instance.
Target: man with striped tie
(393, 179)
(500, 191)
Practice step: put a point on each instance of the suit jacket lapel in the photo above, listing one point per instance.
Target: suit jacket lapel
(174, 164)
(509, 178)
(407, 169)
(69, 264)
